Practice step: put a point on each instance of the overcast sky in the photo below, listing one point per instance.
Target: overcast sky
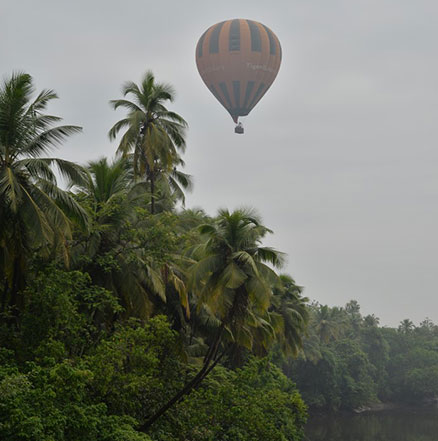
(339, 157)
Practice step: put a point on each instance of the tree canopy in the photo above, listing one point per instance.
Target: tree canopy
(123, 315)
(126, 317)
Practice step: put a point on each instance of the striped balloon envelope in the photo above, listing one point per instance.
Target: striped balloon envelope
(238, 61)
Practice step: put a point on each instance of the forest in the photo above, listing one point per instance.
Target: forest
(125, 316)
(349, 362)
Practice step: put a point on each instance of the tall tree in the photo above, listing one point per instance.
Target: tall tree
(406, 326)
(154, 136)
(113, 250)
(352, 310)
(290, 314)
(331, 323)
(233, 283)
(35, 214)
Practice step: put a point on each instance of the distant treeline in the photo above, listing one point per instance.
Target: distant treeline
(349, 361)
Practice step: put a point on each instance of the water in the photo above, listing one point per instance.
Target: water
(395, 425)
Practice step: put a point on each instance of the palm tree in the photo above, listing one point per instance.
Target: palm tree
(352, 309)
(232, 279)
(35, 214)
(290, 314)
(331, 323)
(371, 321)
(232, 283)
(115, 250)
(106, 181)
(406, 326)
(104, 193)
(105, 250)
(154, 136)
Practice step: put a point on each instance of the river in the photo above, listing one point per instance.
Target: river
(419, 424)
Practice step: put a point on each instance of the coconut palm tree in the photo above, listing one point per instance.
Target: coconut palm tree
(154, 136)
(232, 282)
(104, 193)
(287, 317)
(371, 321)
(232, 278)
(35, 214)
(290, 314)
(106, 181)
(115, 250)
(406, 326)
(352, 310)
(331, 323)
(105, 250)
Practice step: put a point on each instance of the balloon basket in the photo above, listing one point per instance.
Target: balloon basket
(239, 129)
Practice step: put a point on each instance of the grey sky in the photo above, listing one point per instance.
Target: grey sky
(339, 157)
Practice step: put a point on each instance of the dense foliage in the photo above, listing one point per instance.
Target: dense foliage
(123, 316)
(350, 362)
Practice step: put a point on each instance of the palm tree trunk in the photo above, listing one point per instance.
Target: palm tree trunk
(211, 359)
(15, 286)
(5, 295)
(152, 194)
(206, 369)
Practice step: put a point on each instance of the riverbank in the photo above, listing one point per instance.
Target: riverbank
(414, 424)
(378, 407)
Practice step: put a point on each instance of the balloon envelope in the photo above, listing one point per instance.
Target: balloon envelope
(238, 61)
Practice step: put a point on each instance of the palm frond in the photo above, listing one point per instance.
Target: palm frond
(45, 142)
(10, 189)
(41, 101)
(119, 125)
(63, 205)
(270, 255)
(37, 167)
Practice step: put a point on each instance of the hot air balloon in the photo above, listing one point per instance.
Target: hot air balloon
(238, 61)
